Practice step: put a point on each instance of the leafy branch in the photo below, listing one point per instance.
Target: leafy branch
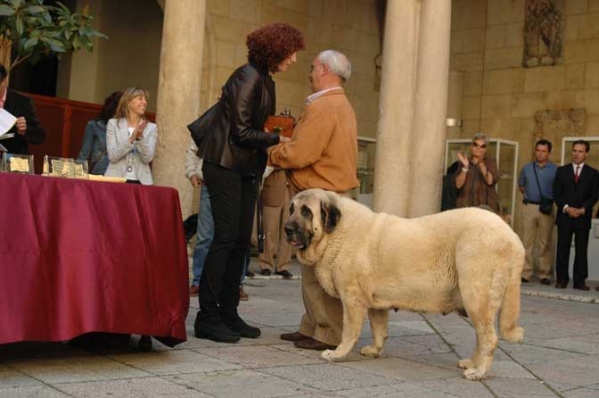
(33, 29)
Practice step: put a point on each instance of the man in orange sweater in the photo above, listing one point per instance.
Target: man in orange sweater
(322, 154)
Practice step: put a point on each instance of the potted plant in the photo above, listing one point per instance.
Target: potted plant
(31, 29)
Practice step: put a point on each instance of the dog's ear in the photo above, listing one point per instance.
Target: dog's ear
(330, 215)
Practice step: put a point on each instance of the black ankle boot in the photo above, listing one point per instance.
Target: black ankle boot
(215, 330)
(235, 323)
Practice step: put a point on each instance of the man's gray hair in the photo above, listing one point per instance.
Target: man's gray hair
(336, 63)
(480, 136)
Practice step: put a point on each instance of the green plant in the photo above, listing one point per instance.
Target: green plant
(34, 29)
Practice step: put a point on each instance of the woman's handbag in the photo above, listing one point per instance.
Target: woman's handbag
(202, 126)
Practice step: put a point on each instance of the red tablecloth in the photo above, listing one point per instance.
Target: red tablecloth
(80, 256)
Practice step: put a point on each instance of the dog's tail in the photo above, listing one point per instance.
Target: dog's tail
(510, 309)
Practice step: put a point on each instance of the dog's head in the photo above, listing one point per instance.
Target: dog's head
(313, 213)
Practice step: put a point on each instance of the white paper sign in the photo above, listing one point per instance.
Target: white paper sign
(7, 120)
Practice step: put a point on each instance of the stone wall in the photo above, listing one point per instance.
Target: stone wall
(499, 96)
(131, 55)
(346, 25)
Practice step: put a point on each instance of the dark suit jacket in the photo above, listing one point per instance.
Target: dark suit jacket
(584, 194)
(19, 105)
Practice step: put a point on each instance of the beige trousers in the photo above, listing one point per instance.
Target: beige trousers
(275, 244)
(323, 319)
(538, 230)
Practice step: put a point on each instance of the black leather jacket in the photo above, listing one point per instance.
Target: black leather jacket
(238, 141)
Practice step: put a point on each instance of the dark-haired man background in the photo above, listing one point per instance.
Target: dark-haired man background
(535, 182)
(27, 129)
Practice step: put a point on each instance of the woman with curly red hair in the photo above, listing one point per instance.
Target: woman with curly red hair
(234, 155)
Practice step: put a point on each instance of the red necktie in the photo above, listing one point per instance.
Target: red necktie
(577, 174)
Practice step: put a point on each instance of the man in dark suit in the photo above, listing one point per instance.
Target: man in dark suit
(575, 189)
(27, 129)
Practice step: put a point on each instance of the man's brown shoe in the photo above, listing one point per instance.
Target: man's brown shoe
(295, 336)
(194, 290)
(311, 344)
(597, 288)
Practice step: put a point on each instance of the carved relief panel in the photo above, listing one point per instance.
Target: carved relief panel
(543, 32)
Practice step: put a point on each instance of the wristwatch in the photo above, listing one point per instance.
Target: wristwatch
(465, 169)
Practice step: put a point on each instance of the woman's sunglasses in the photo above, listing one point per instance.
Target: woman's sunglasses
(483, 146)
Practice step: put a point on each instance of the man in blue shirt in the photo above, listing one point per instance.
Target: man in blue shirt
(536, 181)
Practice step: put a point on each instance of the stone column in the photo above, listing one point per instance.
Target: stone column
(396, 104)
(430, 108)
(178, 92)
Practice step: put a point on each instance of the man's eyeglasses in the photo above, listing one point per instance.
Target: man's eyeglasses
(483, 146)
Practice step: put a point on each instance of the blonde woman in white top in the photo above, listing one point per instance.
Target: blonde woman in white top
(131, 139)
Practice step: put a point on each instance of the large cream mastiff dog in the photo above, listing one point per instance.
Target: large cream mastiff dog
(466, 259)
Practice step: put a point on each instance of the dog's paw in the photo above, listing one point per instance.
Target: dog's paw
(331, 355)
(465, 363)
(371, 351)
(474, 374)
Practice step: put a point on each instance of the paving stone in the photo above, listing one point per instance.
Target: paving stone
(134, 388)
(415, 345)
(455, 387)
(11, 379)
(530, 354)
(586, 344)
(174, 362)
(581, 393)
(257, 356)
(404, 390)
(329, 376)
(401, 369)
(31, 392)
(569, 373)
(75, 369)
(243, 383)
(518, 387)
(509, 369)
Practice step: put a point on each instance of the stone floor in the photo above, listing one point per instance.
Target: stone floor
(559, 358)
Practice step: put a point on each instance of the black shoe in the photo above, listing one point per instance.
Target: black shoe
(561, 284)
(217, 331)
(285, 274)
(582, 286)
(249, 274)
(238, 325)
(266, 272)
(545, 281)
(524, 280)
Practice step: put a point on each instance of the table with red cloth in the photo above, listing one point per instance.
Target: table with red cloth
(80, 256)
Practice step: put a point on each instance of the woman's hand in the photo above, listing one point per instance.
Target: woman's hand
(195, 181)
(483, 168)
(140, 129)
(463, 160)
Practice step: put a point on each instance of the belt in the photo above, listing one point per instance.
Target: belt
(530, 202)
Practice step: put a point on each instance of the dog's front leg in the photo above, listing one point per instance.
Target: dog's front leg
(354, 313)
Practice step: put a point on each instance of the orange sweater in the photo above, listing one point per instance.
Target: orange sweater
(324, 149)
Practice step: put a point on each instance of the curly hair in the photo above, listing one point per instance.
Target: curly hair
(269, 45)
